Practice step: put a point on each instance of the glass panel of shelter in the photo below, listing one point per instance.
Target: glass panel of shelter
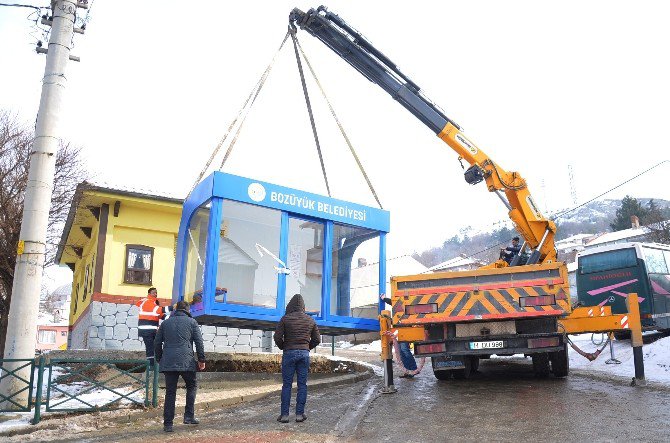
(247, 265)
(305, 263)
(196, 253)
(249, 268)
(355, 272)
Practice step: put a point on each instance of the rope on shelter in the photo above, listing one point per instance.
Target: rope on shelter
(245, 107)
(337, 120)
(309, 107)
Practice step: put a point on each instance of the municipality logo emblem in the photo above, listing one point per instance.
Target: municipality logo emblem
(256, 192)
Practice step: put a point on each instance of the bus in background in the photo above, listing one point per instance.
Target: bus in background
(606, 274)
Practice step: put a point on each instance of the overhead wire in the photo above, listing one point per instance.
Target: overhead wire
(561, 214)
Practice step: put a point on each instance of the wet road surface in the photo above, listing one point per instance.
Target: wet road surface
(504, 401)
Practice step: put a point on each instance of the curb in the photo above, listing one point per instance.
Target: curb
(206, 406)
(136, 415)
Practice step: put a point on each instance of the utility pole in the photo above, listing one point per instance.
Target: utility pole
(24, 308)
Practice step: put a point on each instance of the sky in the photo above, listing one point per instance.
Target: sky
(541, 87)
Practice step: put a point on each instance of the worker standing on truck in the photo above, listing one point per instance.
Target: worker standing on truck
(406, 356)
(511, 251)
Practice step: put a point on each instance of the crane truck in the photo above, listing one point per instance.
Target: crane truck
(458, 318)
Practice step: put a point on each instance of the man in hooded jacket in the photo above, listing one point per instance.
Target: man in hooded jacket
(296, 334)
(174, 352)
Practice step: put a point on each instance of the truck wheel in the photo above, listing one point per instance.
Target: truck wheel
(541, 364)
(465, 373)
(622, 335)
(475, 364)
(442, 375)
(560, 362)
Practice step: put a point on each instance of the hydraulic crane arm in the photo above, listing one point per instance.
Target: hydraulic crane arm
(356, 50)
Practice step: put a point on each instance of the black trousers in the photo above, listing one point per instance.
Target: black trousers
(148, 336)
(171, 378)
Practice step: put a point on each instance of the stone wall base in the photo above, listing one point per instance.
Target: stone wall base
(113, 326)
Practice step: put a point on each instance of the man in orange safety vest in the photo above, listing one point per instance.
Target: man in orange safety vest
(150, 314)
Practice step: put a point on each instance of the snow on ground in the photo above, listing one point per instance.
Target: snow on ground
(656, 358)
(374, 346)
(378, 370)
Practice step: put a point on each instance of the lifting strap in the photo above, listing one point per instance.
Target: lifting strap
(309, 108)
(339, 125)
(245, 110)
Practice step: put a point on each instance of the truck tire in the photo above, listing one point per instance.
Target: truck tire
(560, 362)
(622, 335)
(475, 364)
(442, 374)
(541, 364)
(465, 373)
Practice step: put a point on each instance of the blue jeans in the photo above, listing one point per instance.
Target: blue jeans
(407, 357)
(294, 361)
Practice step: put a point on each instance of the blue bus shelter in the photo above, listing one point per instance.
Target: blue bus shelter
(245, 247)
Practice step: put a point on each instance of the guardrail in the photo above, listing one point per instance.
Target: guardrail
(8, 401)
(80, 385)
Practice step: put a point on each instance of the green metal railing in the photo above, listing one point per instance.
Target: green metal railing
(9, 401)
(72, 386)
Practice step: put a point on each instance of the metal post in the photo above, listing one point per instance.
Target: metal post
(154, 394)
(147, 379)
(22, 321)
(635, 325)
(332, 344)
(38, 393)
(386, 355)
(612, 360)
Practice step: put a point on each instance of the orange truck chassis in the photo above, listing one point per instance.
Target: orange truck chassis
(459, 317)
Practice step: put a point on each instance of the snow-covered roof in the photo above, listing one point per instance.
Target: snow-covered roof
(455, 263)
(47, 319)
(617, 236)
(365, 279)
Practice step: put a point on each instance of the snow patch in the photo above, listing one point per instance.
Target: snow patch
(656, 358)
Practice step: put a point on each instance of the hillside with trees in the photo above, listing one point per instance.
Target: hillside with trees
(593, 218)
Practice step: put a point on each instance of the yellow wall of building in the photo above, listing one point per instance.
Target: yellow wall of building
(140, 221)
(144, 224)
(82, 289)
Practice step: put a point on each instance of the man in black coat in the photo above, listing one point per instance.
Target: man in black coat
(296, 334)
(511, 251)
(174, 353)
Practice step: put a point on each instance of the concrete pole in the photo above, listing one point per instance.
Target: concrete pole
(23, 312)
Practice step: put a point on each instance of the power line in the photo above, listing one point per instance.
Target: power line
(16, 5)
(560, 214)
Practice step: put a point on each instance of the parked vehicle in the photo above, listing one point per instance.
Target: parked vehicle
(605, 275)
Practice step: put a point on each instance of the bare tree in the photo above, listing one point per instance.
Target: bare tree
(16, 141)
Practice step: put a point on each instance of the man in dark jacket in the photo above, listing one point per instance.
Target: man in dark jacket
(174, 353)
(511, 251)
(296, 334)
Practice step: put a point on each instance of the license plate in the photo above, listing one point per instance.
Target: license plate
(487, 344)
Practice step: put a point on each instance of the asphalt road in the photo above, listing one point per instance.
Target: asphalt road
(504, 401)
